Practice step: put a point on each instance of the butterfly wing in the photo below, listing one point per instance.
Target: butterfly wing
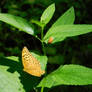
(34, 72)
(31, 64)
(27, 59)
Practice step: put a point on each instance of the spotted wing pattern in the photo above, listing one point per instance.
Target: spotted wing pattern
(31, 64)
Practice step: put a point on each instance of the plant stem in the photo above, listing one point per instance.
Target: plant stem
(43, 48)
(42, 88)
(37, 37)
(42, 29)
(42, 41)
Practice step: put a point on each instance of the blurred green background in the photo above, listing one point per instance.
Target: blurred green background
(75, 50)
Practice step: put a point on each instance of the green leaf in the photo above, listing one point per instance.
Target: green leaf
(14, 58)
(12, 71)
(9, 82)
(59, 33)
(17, 22)
(37, 23)
(41, 59)
(68, 75)
(66, 19)
(47, 14)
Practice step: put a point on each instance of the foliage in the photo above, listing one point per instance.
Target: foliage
(9, 81)
(47, 14)
(66, 74)
(18, 22)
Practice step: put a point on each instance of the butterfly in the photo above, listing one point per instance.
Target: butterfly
(31, 64)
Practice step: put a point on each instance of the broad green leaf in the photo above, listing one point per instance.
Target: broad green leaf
(12, 71)
(9, 82)
(59, 33)
(17, 22)
(68, 75)
(47, 14)
(41, 59)
(66, 19)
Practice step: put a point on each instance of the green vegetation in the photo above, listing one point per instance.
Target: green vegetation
(14, 79)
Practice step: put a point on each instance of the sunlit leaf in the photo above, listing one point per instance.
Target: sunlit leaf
(68, 75)
(59, 33)
(13, 78)
(9, 82)
(66, 19)
(47, 14)
(17, 22)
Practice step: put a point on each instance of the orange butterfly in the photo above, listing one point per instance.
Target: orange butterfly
(31, 64)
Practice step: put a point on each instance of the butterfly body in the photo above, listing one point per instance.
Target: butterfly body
(31, 64)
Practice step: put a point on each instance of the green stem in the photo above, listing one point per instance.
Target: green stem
(42, 89)
(37, 37)
(43, 48)
(42, 41)
(42, 29)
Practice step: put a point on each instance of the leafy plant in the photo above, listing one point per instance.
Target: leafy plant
(64, 27)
